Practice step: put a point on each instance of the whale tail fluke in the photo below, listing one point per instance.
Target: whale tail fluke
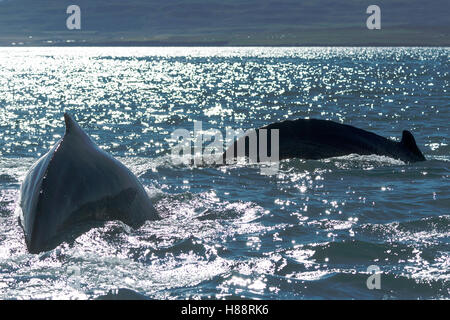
(409, 142)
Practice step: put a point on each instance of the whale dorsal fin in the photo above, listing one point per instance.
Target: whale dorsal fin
(410, 143)
(72, 127)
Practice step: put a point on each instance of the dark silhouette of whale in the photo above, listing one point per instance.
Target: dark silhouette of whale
(76, 182)
(319, 139)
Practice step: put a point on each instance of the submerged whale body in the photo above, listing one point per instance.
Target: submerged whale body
(315, 139)
(76, 182)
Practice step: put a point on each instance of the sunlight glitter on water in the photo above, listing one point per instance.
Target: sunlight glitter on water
(310, 231)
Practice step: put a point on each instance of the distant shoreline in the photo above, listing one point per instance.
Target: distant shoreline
(339, 37)
(206, 45)
(239, 23)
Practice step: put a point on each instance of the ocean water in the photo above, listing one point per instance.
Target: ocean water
(310, 231)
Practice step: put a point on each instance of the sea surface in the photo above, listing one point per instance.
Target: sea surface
(309, 231)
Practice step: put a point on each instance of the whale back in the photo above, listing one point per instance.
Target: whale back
(319, 139)
(77, 182)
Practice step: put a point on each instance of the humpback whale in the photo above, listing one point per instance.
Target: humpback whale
(77, 182)
(315, 139)
(74, 183)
